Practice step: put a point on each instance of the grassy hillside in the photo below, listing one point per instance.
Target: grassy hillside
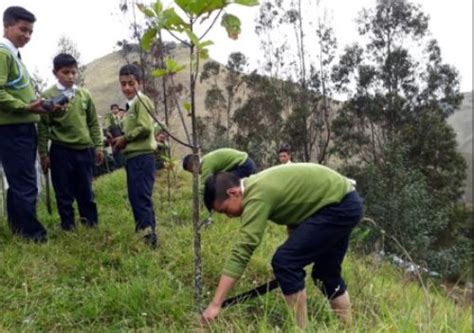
(107, 280)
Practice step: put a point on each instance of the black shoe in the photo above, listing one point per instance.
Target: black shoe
(68, 227)
(151, 240)
(40, 237)
(90, 224)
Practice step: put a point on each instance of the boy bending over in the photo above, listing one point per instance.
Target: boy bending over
(320, 208)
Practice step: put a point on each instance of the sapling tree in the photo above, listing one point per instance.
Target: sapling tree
(190, 28)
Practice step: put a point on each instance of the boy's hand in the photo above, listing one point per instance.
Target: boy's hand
(44, 160)
(99, 156)
(119, 143)
(35, 107)
(210, 314)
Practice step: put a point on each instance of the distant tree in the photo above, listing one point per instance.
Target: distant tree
(393, 123)
(221, 102)
(259, 121)
(300, 70)
(397, 97)
(67, 45)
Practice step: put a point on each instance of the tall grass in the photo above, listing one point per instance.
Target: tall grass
(107, 279)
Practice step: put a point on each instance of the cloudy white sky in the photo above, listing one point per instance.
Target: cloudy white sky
(96, 25)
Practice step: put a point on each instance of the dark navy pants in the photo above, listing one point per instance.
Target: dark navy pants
(245, 170)
(321, 239)
(18, 156)
(72, 172)
(140, 181)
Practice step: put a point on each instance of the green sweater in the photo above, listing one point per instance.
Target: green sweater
(111, 121)
(223, 159)
(285, 195)
(16, 90)
(138, 128)
(77, 127)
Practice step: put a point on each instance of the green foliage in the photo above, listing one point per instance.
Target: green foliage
(232, 24)
(399, 200)
(108, 280)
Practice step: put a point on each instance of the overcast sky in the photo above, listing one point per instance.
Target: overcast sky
(96, 25)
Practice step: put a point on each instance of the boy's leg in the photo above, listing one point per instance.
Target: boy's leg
(326, 231)
(84, 171)
(327, 270)
(297, 302)
(18, 156)
(140, 180)
(62, 177)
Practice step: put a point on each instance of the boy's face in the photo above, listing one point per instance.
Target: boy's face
(19, 33)
(115, 110)
(284, 157)
(232, 206)
(160, 137)
(66, 75)
(121, 113)
(129, 85)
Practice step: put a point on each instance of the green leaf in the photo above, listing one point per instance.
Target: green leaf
(204, 54)
(247, 2)
(158, 7)
(172, 21)
(187, 106)
(199, 7)
(173, 67)
(206, 43)
(159, 72)
(232, 24)
(192, 37)
(148, 38)
(145, 10)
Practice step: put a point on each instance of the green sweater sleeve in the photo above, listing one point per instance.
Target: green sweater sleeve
(43, 135)
(7, 101)
(254, 222)
(93, 123)
(142, 125)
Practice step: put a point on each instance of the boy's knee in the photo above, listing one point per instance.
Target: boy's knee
(278, 261)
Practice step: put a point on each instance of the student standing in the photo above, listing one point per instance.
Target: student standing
(76, 145)
(18, 138)
(138, 146)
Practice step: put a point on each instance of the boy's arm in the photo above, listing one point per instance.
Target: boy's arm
(254, 221)
(143, 126)
(43, 135)
(7, 101)
(93, 124)
(226, 283)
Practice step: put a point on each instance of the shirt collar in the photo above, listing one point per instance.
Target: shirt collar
(67, 91)
(242, 187)
(131, 101)
(9, 45)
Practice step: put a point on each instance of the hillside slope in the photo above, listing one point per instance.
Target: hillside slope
(461, 121)
(107, 280)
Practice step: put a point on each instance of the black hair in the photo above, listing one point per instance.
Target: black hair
(131, 69)
(284, 148)
(13, 14)
(63, 60)
(187, 163)
(114, 106)
(216, 186)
